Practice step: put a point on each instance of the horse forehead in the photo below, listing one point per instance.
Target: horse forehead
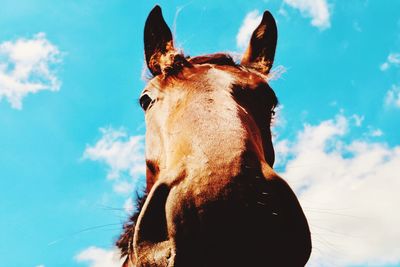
(226, 76)
(204, 77)
(220, 78)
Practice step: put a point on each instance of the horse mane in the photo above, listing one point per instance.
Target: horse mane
(220, 59)
(175, 61)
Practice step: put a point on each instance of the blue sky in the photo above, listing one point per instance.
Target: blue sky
(71, 129)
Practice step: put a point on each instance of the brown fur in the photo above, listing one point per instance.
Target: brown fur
(213, 197)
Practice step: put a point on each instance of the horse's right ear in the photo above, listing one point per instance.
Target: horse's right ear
(157, 40)
(261, 51)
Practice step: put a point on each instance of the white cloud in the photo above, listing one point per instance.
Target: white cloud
(98, 257)
(26, 66)
(278, 120)
(282, 150)
(376, 133)
(40, 265)
(356, 26)
(384, 66)
(393, 59)
(123, 154)
(249, 24)
(349, 192)
(120, 152)
(357, 119)
(282, 11)
(318, 10)
(123, 187)
(392, 97)
(129, 207)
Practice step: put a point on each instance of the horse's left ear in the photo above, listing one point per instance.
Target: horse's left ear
(261, 51)
(157, 41)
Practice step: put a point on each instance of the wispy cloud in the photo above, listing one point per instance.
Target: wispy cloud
(357, 119)
(318, 10)
(356, 26)
(129, 207)
(249, 24)
(392, 98)
(376, 132)
(349, 191)
(393, 59)
(124, 156)
(26, 66)
(99, 257)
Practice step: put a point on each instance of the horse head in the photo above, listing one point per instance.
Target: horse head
(213, 198)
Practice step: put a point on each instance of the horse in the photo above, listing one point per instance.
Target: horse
(212, 197)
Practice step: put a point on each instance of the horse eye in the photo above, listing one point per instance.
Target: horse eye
(145, 101)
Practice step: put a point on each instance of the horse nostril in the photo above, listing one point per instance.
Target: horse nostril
(153, 225)
(151, 242)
